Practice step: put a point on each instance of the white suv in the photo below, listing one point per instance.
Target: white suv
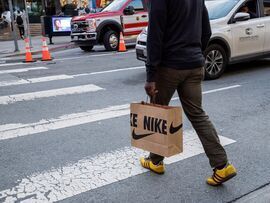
(241, 32)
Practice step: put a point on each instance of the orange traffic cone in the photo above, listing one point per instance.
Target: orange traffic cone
(46, 56)
(28, 54)
(122, 46)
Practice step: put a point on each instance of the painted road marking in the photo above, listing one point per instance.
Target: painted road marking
(34, 80)
(215, 90)
(48, 93)
(95, 55)
(22, 70)
(222, 89)
(12, 64)
(13, 82)
(91, 173)
(110, 71)
(9, 131)
(62, 77)
(49, 78)
(72, 58)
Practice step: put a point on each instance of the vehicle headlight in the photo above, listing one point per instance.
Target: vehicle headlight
(91, 25)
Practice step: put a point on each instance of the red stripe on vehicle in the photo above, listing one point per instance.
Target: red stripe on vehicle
(134, 25)
(133, 33)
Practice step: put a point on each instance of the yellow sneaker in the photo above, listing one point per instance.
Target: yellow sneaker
(222, 175)
(147, 163)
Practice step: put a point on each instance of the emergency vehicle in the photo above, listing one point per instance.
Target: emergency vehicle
(127, 16)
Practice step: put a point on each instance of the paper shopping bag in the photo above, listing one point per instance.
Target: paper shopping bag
(157, 129)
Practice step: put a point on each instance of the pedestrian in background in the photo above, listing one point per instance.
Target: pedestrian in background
(20, 23)
(178, 33)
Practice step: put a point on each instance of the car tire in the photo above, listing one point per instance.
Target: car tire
(216, 61)
(111, 40)
(86, 48)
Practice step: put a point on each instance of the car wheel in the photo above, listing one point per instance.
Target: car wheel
(111, 40)
(87, 48)
(215, 62)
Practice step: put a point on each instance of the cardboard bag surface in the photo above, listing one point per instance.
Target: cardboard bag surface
(157, 129)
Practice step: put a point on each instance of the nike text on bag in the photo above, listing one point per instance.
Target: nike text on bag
(157, 129)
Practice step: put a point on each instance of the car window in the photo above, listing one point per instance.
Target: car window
(266, 7)
(219, 8)
(137, 4)
(250, 7)
(114, 6)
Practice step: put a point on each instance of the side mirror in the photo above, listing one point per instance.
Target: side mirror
(130, 10)
(241, 17)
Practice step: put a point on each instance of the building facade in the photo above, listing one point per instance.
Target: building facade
(38, 8)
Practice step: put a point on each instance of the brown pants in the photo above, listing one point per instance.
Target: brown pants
(188, 85)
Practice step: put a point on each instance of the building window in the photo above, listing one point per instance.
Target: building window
(34, 8)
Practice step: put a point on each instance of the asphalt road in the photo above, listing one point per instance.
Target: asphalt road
(64, 132)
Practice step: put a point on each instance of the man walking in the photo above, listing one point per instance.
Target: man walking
(178, 33)
(20, 23)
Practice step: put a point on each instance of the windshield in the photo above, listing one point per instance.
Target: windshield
(114, 6)
(219, 8)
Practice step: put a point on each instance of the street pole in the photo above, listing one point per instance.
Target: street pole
(27, 23)
(43, 7)
(13, 26)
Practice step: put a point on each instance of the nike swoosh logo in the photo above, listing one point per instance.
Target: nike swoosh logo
(137, 137)
(175, 129)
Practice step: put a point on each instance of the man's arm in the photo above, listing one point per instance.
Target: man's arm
(206, 28)
(156, 29)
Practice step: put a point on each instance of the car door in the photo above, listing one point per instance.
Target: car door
(248, 36)
(266, 21)
(134, 24)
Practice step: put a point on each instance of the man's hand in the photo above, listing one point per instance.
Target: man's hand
(150, 88)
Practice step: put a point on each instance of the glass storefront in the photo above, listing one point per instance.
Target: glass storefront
(34, 8)
(37, 8)
(5, 18)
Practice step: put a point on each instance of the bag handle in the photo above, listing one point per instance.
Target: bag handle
(152, 100)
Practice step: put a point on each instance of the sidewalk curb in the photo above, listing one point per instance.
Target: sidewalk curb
(259, 195)
(53, 49)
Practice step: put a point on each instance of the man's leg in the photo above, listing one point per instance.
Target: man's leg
(21, 31)
(166, 85)
(190, 94)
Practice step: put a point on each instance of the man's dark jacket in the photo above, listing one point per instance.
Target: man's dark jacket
(178, 33)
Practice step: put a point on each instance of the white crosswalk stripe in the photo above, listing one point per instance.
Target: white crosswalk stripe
(13, 82)
(21, 70)
(48, 93)
(92, 172)
(34, 80)
(12, 64)
(17, 130)
(61, 77)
